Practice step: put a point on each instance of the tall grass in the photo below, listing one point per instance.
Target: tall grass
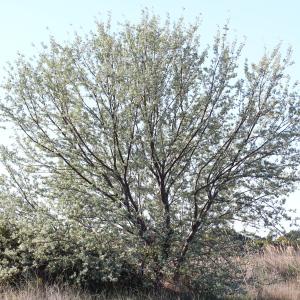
(274, 274)
(33, 291)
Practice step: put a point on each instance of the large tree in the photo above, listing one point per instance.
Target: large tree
(151, 141)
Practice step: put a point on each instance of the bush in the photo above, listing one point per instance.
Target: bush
(55, 254)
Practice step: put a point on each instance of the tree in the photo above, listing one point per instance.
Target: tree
(152, 143)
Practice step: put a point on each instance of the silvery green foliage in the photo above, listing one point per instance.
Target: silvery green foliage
(149, 141)
(55, 253)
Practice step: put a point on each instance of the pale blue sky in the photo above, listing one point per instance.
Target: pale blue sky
(263, 22)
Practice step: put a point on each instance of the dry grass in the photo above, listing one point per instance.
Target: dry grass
(274, 274)
(289, 290)
(34, 291)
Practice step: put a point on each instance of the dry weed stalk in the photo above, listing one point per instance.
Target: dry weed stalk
(274, 273)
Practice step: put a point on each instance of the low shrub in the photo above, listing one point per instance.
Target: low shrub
(58, 255)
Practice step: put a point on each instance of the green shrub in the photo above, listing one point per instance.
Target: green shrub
(57, 255)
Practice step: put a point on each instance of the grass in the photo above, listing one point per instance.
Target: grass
(35, 292)
(274, 274)
(32, 291)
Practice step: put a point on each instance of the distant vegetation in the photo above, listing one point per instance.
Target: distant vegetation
(135, 152)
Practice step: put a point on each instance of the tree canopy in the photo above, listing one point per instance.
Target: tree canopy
(150, 142)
